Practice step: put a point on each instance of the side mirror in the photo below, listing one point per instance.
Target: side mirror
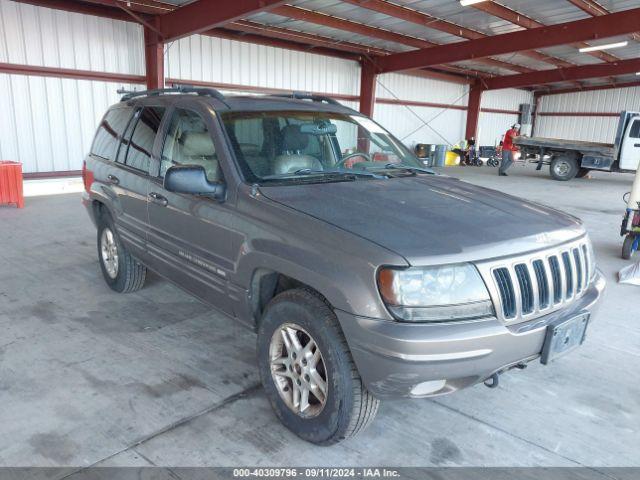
(192, 179)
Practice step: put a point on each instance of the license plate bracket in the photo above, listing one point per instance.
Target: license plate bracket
(564, 336)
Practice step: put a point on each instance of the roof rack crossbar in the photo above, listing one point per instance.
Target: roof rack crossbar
(308, 96)
(210, 92)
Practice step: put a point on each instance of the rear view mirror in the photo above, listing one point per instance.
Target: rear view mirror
(318, 128)
(192, 179)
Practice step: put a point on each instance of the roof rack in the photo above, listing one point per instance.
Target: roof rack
(209, 92)
(308, 96)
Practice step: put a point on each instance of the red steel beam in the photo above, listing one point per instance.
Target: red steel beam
(426, 20)
(367, 88)
(595, 10)
(588, 88)
(153, 59)
(323, 19)
(582, 72)
(500, 11)
(279, 43)
(619, 23)
(38, 71)
(473, 112)
(302, 37)
(203, 15)
(85, 8)
(331, 21)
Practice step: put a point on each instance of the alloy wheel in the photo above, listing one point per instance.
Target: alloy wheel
(109, 252)
(298, 370)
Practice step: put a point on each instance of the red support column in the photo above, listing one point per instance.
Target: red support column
(367, 88)
(473, 112)
(154, 59)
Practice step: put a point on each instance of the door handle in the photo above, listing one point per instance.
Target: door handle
(113, 179)
(637, 145)
(158, 199)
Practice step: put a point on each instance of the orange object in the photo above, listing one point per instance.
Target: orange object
(11, 183)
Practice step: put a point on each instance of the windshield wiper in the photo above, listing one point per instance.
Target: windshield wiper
(408, 168)
(311, 171)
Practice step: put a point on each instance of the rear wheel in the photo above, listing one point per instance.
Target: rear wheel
(307, 371)
(627, 247)
(563, 168)
(121, 271)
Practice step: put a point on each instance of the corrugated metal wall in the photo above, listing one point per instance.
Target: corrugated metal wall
(587, 128)
(48, 123)
(443, 126)
(492, 126)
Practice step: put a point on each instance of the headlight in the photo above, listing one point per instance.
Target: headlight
(435, 294)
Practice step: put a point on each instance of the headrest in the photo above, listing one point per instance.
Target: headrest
(293, 139)
(197, 144)
(250, 149)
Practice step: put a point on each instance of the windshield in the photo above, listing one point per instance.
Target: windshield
(288, 146)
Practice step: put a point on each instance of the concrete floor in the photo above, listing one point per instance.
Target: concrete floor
(89, 377)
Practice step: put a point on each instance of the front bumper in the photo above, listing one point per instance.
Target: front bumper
(393, 357)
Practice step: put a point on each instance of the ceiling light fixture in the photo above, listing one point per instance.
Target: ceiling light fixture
(607, 46)
(465, 3)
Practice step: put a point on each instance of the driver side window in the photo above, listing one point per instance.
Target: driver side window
(189, 142)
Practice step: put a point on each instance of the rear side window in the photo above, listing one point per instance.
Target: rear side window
(144, 134)
(110, 131)
(635, 129)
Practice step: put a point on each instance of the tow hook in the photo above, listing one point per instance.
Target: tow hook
(492, 381)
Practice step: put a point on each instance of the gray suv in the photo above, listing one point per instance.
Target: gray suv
(365, 275)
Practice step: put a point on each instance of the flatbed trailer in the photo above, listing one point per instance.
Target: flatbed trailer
(573, 158)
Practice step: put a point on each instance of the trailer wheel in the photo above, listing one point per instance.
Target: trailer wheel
(582, 172)
(563, 168)
(627, 247)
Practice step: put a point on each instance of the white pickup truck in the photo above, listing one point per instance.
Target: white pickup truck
(572, 158)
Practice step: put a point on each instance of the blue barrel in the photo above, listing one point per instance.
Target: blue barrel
(441, 153)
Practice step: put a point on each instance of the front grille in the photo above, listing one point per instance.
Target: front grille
(533, 285)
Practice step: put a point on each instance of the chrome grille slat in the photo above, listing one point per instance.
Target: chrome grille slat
(532, 285)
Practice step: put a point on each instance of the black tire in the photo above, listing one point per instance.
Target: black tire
(563, 168)
(130, 274)
(349, 408)
(627, 247)
(582, 172)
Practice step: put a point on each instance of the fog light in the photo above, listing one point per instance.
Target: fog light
(425, 388)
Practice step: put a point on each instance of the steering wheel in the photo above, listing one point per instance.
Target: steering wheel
(341, 163)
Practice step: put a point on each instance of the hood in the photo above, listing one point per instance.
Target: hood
(431, 219)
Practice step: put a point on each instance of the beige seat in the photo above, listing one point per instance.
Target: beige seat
(291, 159)
(196, 148)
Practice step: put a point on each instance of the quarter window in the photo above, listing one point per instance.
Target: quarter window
(110, 131)
(144, 133)
(189, 142)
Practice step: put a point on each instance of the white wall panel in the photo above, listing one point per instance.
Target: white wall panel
(492, 126)
(445, 126)
(54, 38)
(212, 59)
(591, 128)
(48, 123)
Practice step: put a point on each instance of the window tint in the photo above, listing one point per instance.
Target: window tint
(189, 142)
(144, 134)
(126, 138)
(109, 132)
(635, 129)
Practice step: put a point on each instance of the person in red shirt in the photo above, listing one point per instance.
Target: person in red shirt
(508, 148)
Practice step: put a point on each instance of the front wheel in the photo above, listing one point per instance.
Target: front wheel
(307, 371)
(563, 168)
